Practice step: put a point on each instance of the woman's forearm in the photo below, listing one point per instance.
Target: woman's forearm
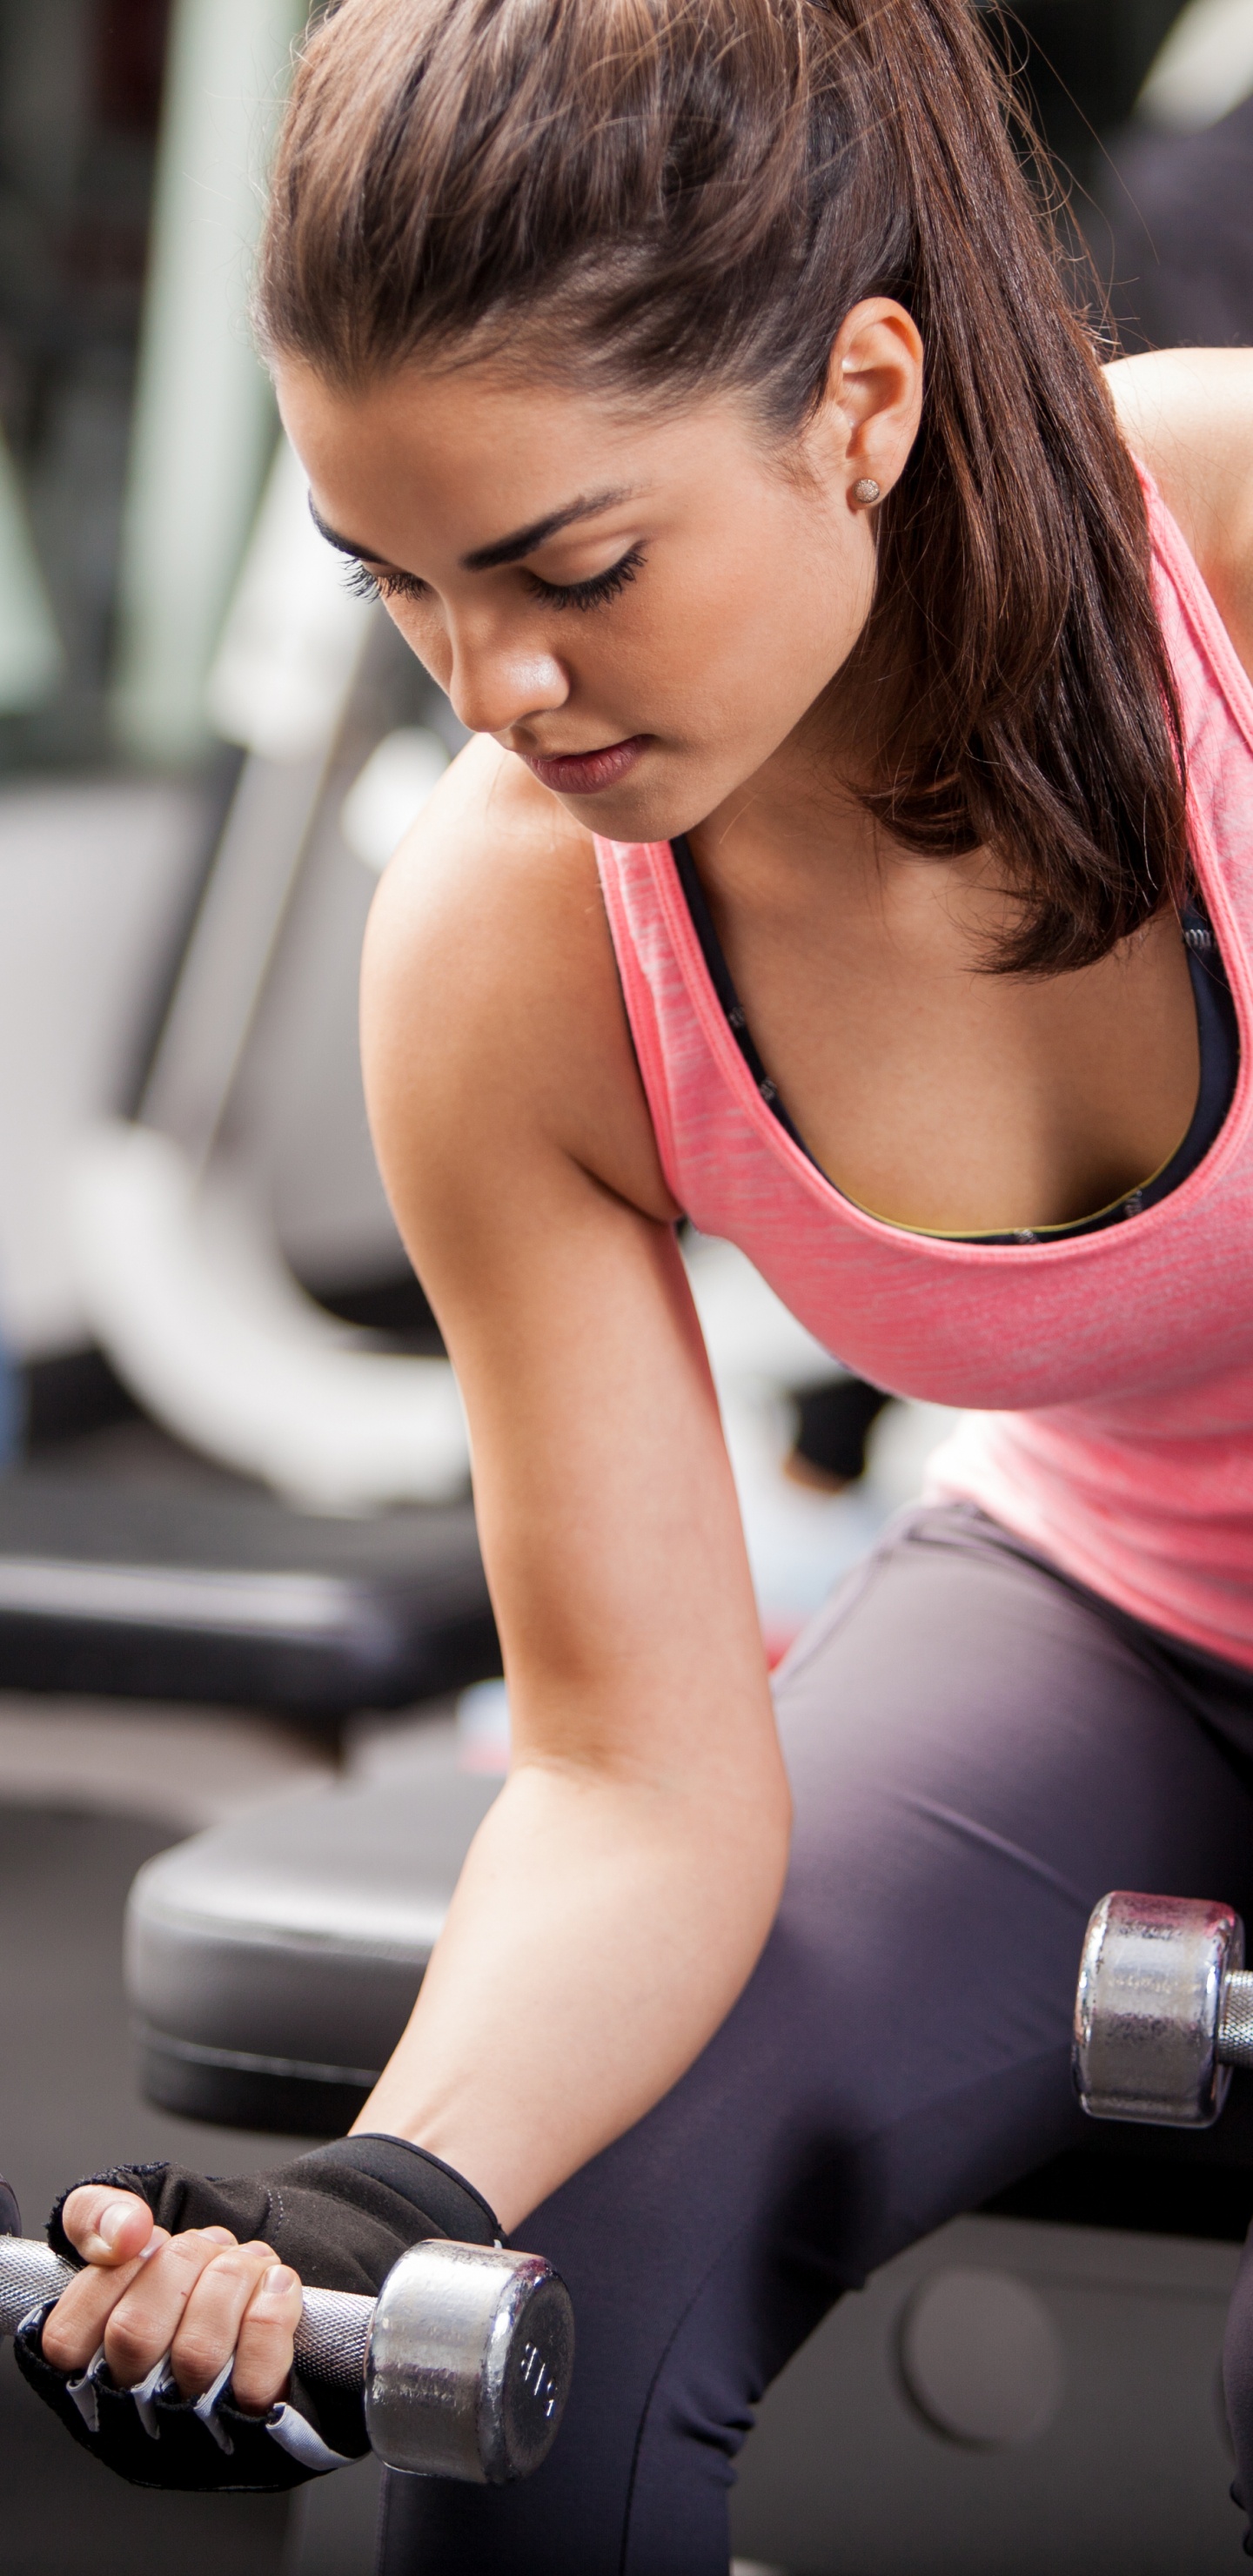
(618, 1894)
(601, 1930)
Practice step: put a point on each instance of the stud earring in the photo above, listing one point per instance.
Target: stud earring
(866, 491)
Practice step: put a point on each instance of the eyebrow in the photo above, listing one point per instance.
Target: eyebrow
(509, 550)
(504, 550)
(344, 545)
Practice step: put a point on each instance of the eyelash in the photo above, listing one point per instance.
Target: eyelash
(605, 586)
(589, 594)
(365, 584)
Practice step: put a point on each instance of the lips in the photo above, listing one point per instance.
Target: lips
(587, 773)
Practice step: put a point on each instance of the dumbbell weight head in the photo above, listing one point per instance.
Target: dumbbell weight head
(1147, 2009)
(469, 2362)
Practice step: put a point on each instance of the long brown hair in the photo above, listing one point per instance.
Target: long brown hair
(669, 196)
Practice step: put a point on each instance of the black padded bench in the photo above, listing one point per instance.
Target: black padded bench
(155, 1589)
(273, 1963)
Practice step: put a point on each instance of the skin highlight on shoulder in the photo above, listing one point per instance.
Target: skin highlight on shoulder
(489, 981)
(1188, 415)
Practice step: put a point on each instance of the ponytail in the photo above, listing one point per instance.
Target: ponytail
(676, 195)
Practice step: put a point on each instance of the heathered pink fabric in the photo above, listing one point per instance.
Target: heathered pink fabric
(1110, 1376)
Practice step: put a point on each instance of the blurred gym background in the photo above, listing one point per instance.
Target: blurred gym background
(218, 1381)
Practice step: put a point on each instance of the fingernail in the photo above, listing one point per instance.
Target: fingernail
(109, 2226)
(278, 2281)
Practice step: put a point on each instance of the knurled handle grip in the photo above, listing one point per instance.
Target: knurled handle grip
(30, 2274)
(332, 2338)
(1235, 2019)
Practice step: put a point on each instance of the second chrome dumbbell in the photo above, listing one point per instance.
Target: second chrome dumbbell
(1163, 2010)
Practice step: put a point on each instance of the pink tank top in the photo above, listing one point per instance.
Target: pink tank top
(1107, 1378)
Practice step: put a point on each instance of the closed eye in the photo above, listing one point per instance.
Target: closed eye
(589, 594)
(365, 584)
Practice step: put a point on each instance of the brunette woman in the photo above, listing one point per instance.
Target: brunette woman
(855, 854)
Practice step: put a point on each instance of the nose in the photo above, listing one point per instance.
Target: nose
(496, 681)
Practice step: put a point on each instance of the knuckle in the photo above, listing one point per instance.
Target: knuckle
(62, 2342)
(72, 2330)
(129, 2347)
(198, 2354)
(261, 2335)
(186, 2256)
(224, 2268)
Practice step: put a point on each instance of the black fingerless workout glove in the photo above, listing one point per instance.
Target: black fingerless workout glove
(341, 2216)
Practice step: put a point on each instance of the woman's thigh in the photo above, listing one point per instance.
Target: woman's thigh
(977, 1753)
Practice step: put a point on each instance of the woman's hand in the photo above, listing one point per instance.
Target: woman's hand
(199, 2296)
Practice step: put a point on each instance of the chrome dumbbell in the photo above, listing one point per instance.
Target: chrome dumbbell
(1163, 2010)
(465, 2354)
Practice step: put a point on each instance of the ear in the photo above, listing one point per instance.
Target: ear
(871, 405)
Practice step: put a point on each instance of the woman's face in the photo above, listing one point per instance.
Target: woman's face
(642, 608)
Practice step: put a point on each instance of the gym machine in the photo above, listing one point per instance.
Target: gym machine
(355, 1580)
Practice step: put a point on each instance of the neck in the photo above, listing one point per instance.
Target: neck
(795, 837)
(800, 808)
(803, 802)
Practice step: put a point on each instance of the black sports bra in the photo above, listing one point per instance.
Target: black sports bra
(1218, 1038)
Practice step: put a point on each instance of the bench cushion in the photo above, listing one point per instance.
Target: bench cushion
(273, 1962)
(157, 1591)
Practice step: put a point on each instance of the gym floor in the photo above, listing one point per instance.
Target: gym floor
(88, 1791)
(70, 2104)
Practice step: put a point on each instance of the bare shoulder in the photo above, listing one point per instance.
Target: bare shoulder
(490, 1000)
(1188, 414)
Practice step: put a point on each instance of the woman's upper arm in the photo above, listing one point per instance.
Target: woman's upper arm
(515, 1144)
(1188, 414)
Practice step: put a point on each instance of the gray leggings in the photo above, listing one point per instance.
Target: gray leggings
(979, 1749)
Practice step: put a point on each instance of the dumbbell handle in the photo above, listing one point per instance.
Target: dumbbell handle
(465, 2356)
(1234, 2039)
(332, 2338)
(30, 2274)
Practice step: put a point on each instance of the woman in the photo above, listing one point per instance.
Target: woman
(696, 386)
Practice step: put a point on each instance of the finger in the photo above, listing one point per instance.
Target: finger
(263, 2352)
(209, 2328)
(106, 2225)
(147, 2317)
(74, 2329)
